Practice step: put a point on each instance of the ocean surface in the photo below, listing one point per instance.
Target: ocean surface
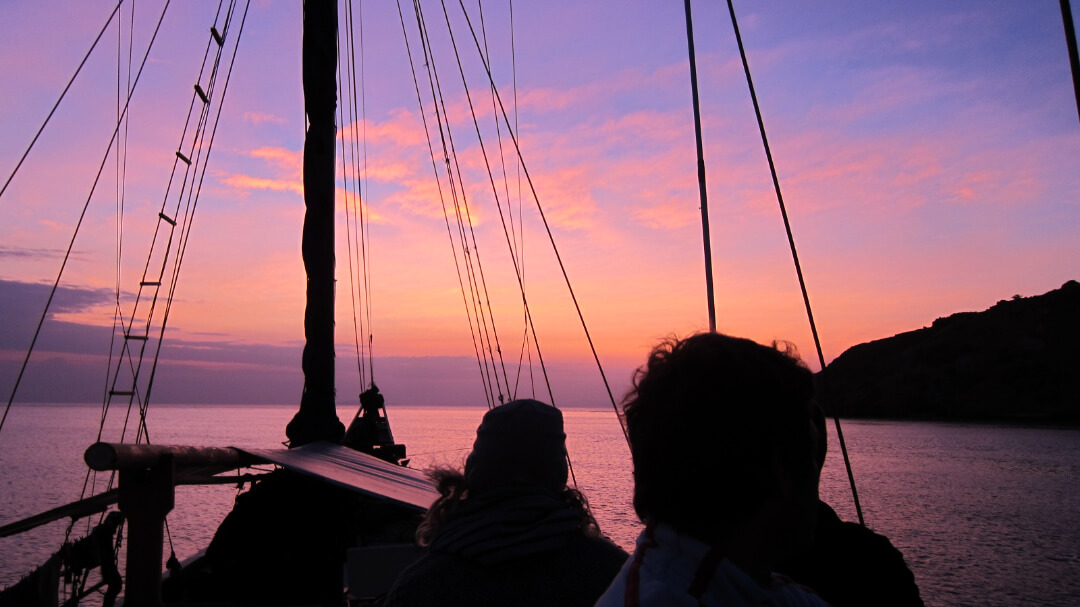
(984, 515)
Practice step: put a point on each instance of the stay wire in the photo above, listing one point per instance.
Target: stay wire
(795, 257)
(78, 224)
(121, 182)
(464, 223)
(528, 315)
(521, 215)
(169, 186)
(511, 236)
(136, 398)
(71, 81)
(511, 241)
(183, 248)
(191, 201)
(499, 138)
(702, 192)
(471, 254)
(365, 220)
(353, 290)
(1070, 43)
(442, 198)
(142, 430)
(551, 239)
(117, 310)
(360, 208)
(516, 230)
(447, 150)
(120, 178)
(494, 191)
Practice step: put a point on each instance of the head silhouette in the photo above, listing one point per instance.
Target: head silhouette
(519, 443)
(719, 426)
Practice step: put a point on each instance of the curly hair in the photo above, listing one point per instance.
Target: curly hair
(454, 491)
(713, 414)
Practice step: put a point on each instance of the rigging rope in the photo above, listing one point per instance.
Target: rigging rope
(142, 429)
(494, 190)
(195, 162)
(135, 397)
(516, 231)
(702, 193)
(358, 147)
(526, 349)
(442, 198)
(350, 218)
(194, 199)
(473, 270)
(1070, 43)
(26, 153)
(551, 238)
(143, 403)
(794, 256)
(502, 155)
(121, 183)
(78, 224)
(365, 222)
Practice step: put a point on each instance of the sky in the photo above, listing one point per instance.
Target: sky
(928, 154)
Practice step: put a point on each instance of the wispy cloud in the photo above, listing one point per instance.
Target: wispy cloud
(31, 253)
(281, 158)
(262, 118)
(247, 182)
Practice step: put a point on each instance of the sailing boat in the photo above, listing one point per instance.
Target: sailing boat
(250, 559)
(660, 217)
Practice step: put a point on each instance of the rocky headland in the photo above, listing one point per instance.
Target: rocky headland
(1018, 361)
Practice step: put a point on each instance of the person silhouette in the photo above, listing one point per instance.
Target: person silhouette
(507, 530)
(725, 475)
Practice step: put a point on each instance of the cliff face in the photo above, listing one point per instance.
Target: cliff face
(1017, 361)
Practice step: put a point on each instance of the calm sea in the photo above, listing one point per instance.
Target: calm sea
(985, 515)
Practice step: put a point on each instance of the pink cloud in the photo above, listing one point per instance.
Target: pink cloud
(402, 128)
(246, 182)
(262, 118)
(281, 158)
(421, 197)
(666, 216)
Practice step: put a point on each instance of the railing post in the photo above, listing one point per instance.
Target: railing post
(146, 496)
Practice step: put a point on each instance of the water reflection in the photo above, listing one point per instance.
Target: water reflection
(985, 515)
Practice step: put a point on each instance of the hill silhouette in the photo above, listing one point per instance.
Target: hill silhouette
(1018, 361)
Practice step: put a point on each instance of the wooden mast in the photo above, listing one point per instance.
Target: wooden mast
(317, 418)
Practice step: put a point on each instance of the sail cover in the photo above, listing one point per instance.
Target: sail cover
(356, 471)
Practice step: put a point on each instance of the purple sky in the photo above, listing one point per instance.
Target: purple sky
(929, 154)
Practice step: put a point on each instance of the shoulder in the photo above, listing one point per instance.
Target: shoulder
(600, 550)
(849, 563)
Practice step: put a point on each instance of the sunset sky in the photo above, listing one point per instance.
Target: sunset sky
(929, 154)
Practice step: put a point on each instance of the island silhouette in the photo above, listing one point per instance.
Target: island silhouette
(1017, 362)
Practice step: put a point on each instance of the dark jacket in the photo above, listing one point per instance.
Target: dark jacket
(522, 551)
(849, 566)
